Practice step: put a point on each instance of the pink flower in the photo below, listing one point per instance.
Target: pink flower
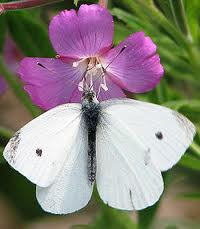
(3, 85)
(83, 41)
(12, 56)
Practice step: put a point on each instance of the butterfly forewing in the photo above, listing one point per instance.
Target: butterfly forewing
(166, 133)
(39, 149)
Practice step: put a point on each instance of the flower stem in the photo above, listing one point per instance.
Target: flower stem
(23, 4)
(103, 3)
(17, 89)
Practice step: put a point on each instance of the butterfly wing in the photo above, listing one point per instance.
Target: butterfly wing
(165, 132)
(130, 155)
(71, 190)
(39, 149)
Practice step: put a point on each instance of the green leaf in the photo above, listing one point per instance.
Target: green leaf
(30, 34)
(121, 32)
(190, 196)
(76, 2)
(181, 18)
(192, 12)
(190, 162)
(166, 8)
(1, 154)
(2, 31)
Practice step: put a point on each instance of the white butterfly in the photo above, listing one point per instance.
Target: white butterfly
(123, 145)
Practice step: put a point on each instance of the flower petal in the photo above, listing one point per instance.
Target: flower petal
(114, 91)
(3, 85)
(134, 64)
(12, 55)
(82, 34)
(50, 82)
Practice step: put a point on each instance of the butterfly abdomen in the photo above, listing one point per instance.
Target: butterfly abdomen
(91, 114)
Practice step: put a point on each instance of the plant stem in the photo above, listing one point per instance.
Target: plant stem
(103, 3)
(173, 13)
(23, 4)
(196, 148)
(17, 89)
(181, 18)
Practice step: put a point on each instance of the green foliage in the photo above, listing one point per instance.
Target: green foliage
(174, 27)
(190, 196)
(76, 2)
(112, 217)
(29, 33)
(190, 162)
(3, 31)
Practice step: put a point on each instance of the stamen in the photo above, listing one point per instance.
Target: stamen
(115, 57)
(41, 65)
(77, 63)
(103, 85)
(80, 85)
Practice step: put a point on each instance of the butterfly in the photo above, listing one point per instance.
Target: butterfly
(122, 145)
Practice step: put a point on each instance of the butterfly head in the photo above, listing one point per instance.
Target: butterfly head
(89, 96)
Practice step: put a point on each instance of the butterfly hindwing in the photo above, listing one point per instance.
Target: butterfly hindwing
(72, 189)
(126, 178)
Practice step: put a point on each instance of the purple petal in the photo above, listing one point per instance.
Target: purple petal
(12, 55)
(137, 67)
(50, 82)
(83, 34)
(3, 85)
(114, 91)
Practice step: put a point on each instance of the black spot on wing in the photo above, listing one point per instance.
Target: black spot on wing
(159, 135)
(38, 152)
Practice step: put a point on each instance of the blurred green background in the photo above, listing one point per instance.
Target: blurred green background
(174, 27)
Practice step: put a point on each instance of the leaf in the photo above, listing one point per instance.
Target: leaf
(190, 196)
(1, 154)
(192, 11)
(76, 2)
(2, 31)
(121, 32)
(190, 162)
(29, 34)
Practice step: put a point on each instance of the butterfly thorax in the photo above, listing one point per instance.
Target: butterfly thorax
(91, 113)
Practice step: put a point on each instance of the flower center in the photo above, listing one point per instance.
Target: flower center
(94, 77)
